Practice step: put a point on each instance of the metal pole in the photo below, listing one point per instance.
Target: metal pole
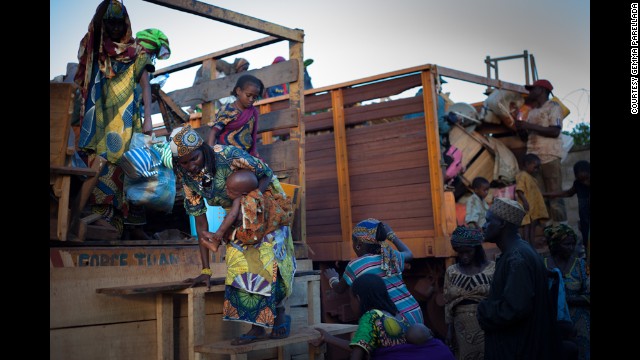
(526, 67)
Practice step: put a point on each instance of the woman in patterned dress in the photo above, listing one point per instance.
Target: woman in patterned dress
(111, 65)
(383, 333)
(466, 283)
(259, 276)
(370, 240)
(561, 240)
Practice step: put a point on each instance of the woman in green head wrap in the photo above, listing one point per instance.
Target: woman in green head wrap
(155, 42)
(562, 244)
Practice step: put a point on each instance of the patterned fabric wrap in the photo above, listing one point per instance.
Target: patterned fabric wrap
(458, 287)
(463, 236)
(253, 268)
(555, 234)
(377, 329)
(166, 156)
(109, 189)
(262, 214)
(256, 309)
(123, 51)
(112, 114)
(155, 42)
(238, 128)
(469, 336)
(108, 75)
(365, 231)
(184, 140)
(140, 162)
(508, 210)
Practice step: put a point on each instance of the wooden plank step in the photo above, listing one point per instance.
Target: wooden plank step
(180, 285)
(302, 334)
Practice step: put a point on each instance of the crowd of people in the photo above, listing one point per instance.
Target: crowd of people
(500, 309)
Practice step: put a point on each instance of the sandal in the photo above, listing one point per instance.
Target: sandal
(247, 339)
(286, 325)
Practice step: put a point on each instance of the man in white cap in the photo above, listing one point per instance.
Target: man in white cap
(517, 316)
(543, 124)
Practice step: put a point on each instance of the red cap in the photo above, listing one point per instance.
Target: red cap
(541, 83)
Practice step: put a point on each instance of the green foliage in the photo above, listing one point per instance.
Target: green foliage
(581, 134)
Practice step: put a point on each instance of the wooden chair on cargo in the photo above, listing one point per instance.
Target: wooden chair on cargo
(61, 99)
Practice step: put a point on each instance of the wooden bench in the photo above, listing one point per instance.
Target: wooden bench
(303, 334)
(196, 309)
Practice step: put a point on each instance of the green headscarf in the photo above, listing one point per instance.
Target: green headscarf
(154, 42)
(555, 234)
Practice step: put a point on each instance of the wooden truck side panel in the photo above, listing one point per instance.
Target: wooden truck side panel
(364, 160)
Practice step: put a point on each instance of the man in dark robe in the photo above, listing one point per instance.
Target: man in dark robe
(517, 317)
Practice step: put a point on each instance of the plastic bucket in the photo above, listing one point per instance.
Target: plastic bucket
(215, 215)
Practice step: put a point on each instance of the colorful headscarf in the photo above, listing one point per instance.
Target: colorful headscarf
(366, 231)
(154, 42)
(555, 234)
(123, 51)
(184, 140)
(508, 210)
(463, 236)
(115, 10)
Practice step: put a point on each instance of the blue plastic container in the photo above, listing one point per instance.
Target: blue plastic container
(215, 215)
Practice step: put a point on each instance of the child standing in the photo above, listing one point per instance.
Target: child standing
(530, 197)
(477, 205)
(237, 122)
(582, 187)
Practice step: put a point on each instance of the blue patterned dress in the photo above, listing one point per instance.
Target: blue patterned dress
(578, 293)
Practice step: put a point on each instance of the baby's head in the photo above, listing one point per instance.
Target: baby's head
(241, 182)
(418, 334)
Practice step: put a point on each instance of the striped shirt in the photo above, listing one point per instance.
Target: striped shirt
(400, 295)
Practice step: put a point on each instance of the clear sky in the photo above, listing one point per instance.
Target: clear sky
(353, 39)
